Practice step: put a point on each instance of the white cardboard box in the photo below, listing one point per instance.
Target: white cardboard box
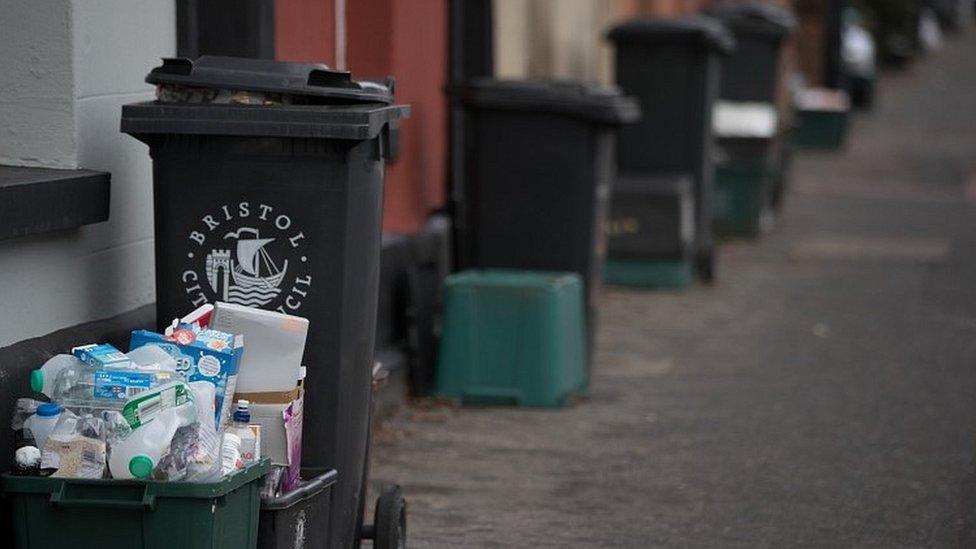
(273, 346)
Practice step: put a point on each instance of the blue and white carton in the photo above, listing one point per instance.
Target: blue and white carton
(101, 355)
(207, 355)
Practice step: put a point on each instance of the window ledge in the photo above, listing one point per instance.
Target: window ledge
(41, 200)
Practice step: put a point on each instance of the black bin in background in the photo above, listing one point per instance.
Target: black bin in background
(672, 67)
(298, 518)
(751, 72)
(537, 168)
(278, 205)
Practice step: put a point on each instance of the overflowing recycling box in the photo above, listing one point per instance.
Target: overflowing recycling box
(742, 197)
(822, 119)
(748, 165)
(513, 338)
(98, 513)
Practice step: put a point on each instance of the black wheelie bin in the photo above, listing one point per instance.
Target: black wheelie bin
(660, 225)
(538, 164)
(751, 165)
(268, 187)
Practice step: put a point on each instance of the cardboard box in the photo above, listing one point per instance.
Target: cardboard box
(100, 355)
(274, 432)
(275, 344)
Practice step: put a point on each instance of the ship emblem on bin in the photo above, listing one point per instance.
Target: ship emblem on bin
(251, 277)
(248, 253)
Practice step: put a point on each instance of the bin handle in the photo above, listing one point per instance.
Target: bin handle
(59, 498)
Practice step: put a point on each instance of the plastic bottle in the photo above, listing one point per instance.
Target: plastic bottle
(42, 422)
(154, 417)
(42, 379)
(85, 388)
(230, 454)
(136, 455)
(241, 428)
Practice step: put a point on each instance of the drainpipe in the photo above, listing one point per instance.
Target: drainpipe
(340, 34)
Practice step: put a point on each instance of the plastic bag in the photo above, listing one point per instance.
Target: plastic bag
(294, 418)
(202, 445)
(174, 464)
(27, 456)
(23, 409)
(76, 447)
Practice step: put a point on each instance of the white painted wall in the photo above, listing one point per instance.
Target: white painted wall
(36, 84)
(67, 69)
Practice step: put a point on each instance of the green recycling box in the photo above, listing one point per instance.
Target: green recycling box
(742, 197)
(62, 513)
(654, 273)
(821, 119)
(513, 337)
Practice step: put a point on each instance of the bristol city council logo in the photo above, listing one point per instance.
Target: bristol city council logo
(249, 254)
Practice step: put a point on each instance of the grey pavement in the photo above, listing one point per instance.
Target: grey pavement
(821, 394)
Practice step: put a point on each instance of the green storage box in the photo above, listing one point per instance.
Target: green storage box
(742, 197)
(656, 273)
(821, 118)
(60, 513)
(513, 337)
(821, 129)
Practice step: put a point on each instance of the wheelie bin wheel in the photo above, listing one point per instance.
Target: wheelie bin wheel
(705, 266)
(390, 521)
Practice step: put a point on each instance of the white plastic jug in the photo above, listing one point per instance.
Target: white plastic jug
(42, 422)
(42, 379)
(155, 416)
(136, 455)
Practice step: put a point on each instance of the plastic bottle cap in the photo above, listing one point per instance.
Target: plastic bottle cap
(48, 409)
(141, 466)
(243, 411)
(37, 380)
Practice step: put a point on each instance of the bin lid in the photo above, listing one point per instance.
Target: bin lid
(755, 17)
(592, 102)
(235, 96)
(691, 29)
(313, 83)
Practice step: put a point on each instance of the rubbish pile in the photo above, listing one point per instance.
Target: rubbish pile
(185, 405)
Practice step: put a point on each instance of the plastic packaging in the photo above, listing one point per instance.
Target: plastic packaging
(294, 419)
(76, 447)
(84, 388)
(197, 447)
(42, 379)
(154, 418)
(27, 454)
(175, 463)
(207, 355)
(250, 447)
(152, 357)
(136, 455)
(23, 409)
(230, 454)
(27, 457)
(42, 423)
